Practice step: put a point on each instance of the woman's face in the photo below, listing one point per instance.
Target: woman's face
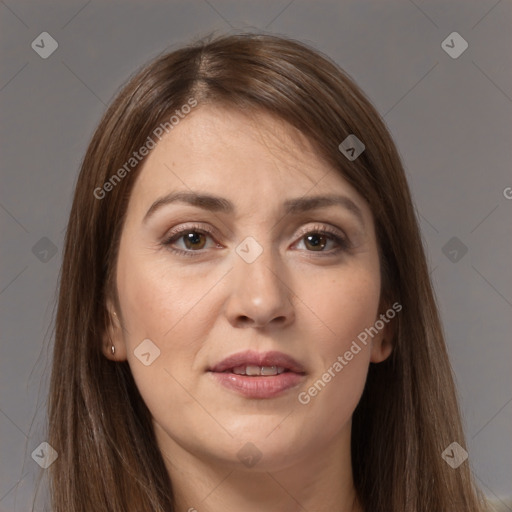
(242, 296)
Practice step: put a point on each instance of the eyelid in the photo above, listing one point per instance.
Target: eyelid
(323, 228)
(176, 233)
(187, 228)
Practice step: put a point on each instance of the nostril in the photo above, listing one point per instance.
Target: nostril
(245, 321)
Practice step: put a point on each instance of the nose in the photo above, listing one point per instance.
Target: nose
(259, 297)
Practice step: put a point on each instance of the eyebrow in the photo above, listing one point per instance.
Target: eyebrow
(221, 205)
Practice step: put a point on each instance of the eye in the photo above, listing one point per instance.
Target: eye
(193, 239)
(321, 237)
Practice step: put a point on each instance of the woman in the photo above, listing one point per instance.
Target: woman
(245, 315)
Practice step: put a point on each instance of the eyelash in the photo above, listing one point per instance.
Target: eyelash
(176, 235)
(342, 242)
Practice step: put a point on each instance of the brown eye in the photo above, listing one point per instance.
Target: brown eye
(194, 240)
(316, 241)
(323, 240)
(189, 241)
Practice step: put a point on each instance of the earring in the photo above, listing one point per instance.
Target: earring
(112, 348)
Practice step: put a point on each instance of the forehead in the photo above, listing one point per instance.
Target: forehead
(248, 157)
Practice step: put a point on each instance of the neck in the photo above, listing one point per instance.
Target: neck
(321, 481)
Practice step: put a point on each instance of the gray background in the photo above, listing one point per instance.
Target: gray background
(451, 119)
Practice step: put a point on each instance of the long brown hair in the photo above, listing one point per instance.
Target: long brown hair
(98, 422)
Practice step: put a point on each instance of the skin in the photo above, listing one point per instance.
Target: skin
(310, 304)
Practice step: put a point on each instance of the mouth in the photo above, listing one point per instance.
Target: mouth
(257, 371)
(258, 375)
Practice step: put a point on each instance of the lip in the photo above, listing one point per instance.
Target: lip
(262, 386)
(251, 357)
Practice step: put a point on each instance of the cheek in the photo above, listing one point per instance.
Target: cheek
(159, 301)
(162, 309)
(346, 307)
(332, 396)
(342, 306)
(173, 310)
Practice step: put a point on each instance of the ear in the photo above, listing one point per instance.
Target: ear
(114, 336)
(382, 343)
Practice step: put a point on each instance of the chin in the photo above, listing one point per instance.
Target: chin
(263, 444)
